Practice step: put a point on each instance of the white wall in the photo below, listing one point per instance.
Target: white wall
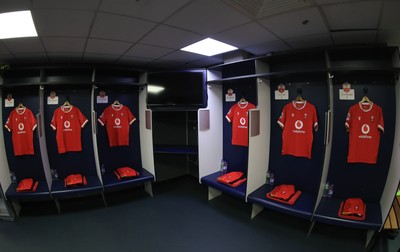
(393, 178)
(259, 145)
(146, 135)
(5, 180)
(210, 140)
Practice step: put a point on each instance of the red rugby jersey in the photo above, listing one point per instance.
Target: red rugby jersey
(238, 115)
(21, 122)
(68, 121)
(363, 121)
(117, 119)
(298, 119)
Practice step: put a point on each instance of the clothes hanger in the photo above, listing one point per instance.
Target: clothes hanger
(365, 99)
(299, 99)
(20, 106)
(116, 102)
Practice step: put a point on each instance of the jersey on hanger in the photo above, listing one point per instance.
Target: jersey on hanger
(298, 119)
(364, 120)
(117, 119)
(21, 122)
(68, 121)
(238, 115)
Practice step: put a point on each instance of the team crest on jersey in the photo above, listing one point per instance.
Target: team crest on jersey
(372, 118)
(72, 117)
(292, 114)
(359, 118)
(61, 117)
(122, 114)
(112, 115)
(305, 115)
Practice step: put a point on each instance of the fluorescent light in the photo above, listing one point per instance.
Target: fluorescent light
(154, 89)
(209, 47)
(17, 24)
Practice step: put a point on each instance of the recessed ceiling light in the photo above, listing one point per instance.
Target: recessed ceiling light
(17, 24)
(209, 47)
(154, 89)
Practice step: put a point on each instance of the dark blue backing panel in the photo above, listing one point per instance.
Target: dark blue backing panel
(27, 165)
(236, 156)
(302, 172)
(362, 180)
(71, 162)
(119, 156)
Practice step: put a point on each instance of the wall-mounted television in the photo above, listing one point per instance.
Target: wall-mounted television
(177, 90)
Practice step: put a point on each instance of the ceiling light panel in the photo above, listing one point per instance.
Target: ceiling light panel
(209, 47)
(17, 24)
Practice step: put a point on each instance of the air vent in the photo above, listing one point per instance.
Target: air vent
(265, 8)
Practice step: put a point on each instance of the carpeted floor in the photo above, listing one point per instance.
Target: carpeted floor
(178, 218)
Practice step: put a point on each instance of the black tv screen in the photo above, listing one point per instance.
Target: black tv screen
(181, 90)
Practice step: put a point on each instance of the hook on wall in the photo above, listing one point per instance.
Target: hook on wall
(365, 90)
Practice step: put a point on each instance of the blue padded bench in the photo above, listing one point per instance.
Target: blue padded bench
(59, 191)
(327, 212)
(303, 207)
(211, 181)
(111, 183)
(42, 193)
(93, 187)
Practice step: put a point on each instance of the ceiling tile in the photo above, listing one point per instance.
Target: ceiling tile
(183, 57)
(3, 49)
(205, 62)
(207, 17)
(95, 58)
(170, 37)
(64, 44)
(133, 61)
(389, 37)
(323, 40)
(63, 23)
(290, 25)
(106, 47)
(116, 27)
(6, 58)
(245, 35)
(24, 45)
(32, 58)
(332, 1)
(12, 5)
(390, 18)
(268, 47)
(156, 10)
(70, 57)
(355, 15)
(165, 64)
(355, 37)
(148, 51)
(70, 4)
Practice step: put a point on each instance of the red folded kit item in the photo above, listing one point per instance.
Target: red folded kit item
(232, 179)
(353, 209)
(27, 185)
(284, 193)
(125, 172)
(74, 180)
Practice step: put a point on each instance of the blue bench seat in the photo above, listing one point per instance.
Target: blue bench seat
(303, 207)
(111, 183)
(328, 208)
(42, 193)
(93, 187)
(211, 181)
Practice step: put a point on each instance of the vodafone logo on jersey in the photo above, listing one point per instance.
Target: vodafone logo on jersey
(365, 129)
(117, 123)
(299, 125)
(242, 122)
(67, 125)
(21, 126)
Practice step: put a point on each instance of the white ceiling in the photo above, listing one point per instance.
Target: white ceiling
(149, 33)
